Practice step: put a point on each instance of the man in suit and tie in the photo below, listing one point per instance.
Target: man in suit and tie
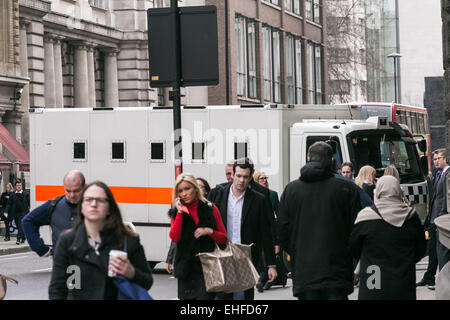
(244, 214)
(429, 275)
(439, 202)
(18, 206)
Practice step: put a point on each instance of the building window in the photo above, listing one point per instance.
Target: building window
(97, 3)
(276, 65)
(275, 2)
(314, 10)
(246, 57)
(340, 87)
(161, 3)
(294, 69)
(161, 97)
(292, 6)
(298, 71)
(339, 55)
(267, 62)
(290, 69)
(314, 65)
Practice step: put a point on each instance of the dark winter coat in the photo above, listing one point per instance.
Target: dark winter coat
(186, 265)
(395, 251)
(315, 219)
(73, 249)
(18, 204)
(255, 223)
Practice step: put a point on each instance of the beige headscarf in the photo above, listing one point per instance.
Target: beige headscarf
(388, 198)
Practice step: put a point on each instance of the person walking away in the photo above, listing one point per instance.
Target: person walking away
(98, 230)
(366, 180)
(196, 226)
(60, 213)
(315, 218)
(388, 240)
(18, 206)
(4, 199)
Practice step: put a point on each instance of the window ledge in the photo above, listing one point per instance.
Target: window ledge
(295, 15)
(271, 5)
(314, 23)
(245, 99)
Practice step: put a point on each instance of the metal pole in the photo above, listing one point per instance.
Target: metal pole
(395, 78)
(176, 94)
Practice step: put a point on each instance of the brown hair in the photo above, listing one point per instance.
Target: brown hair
(113, 220)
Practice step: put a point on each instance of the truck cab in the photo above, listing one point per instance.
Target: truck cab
(375, 142)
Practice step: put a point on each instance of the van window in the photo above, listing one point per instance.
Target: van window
(198, 151)
(157, 151)
(118, 151)
(240, 150)
(79, 151)
(310, 140)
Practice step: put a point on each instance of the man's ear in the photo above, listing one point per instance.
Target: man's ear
(307, 159)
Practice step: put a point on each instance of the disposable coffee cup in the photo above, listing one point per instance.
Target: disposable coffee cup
(115, 253)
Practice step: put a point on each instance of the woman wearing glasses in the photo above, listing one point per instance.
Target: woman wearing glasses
(81, 259)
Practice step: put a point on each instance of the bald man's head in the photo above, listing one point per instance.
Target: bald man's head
(73, 185)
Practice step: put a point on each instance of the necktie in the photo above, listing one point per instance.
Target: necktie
(438, 175)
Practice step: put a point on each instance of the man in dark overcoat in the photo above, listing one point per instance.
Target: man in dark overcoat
(315, 218)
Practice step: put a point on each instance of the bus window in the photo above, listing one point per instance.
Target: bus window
(421, 118)
(414, 127)
(402, 117)
(408, 120)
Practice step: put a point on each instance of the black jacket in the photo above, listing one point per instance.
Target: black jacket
(255, 224)
(439, 199)
(395, 251)
(73, 249)
(18, 204)
(315, 218)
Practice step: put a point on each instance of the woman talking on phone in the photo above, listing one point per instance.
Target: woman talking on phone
(196, 226)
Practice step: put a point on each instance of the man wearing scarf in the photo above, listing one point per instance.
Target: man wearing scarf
(315, 218)
(388, 240)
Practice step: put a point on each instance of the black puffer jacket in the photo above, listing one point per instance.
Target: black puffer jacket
(315, 218)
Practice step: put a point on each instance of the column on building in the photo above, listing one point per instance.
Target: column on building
(59, 89)
(91, 76)
(25, 99)
(80, 75)
(111, 78)
(49, 72)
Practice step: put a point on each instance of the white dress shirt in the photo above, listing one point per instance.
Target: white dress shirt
(234, 216)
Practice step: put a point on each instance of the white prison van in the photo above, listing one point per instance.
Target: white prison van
(131, 150)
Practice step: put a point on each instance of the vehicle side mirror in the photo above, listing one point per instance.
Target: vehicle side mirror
(424, 164)
(422, 145)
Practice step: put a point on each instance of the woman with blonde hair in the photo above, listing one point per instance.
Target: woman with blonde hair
(366, 179)
(196, 226)
(391, 171)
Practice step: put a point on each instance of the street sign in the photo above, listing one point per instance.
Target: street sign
(199, 46)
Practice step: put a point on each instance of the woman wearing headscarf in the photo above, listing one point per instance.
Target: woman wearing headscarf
(388, 240)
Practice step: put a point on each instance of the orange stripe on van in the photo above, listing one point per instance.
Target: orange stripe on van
(121, 194)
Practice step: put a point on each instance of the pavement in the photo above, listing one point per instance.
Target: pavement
(10, 247)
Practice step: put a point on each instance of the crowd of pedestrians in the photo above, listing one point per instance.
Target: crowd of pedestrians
(338, 230)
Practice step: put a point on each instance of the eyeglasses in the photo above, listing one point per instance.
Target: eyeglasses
(90, 200)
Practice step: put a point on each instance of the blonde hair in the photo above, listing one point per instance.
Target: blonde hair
(365, 174)
(189, 178)
(256, 176)
(391, 171)
(9, 184)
